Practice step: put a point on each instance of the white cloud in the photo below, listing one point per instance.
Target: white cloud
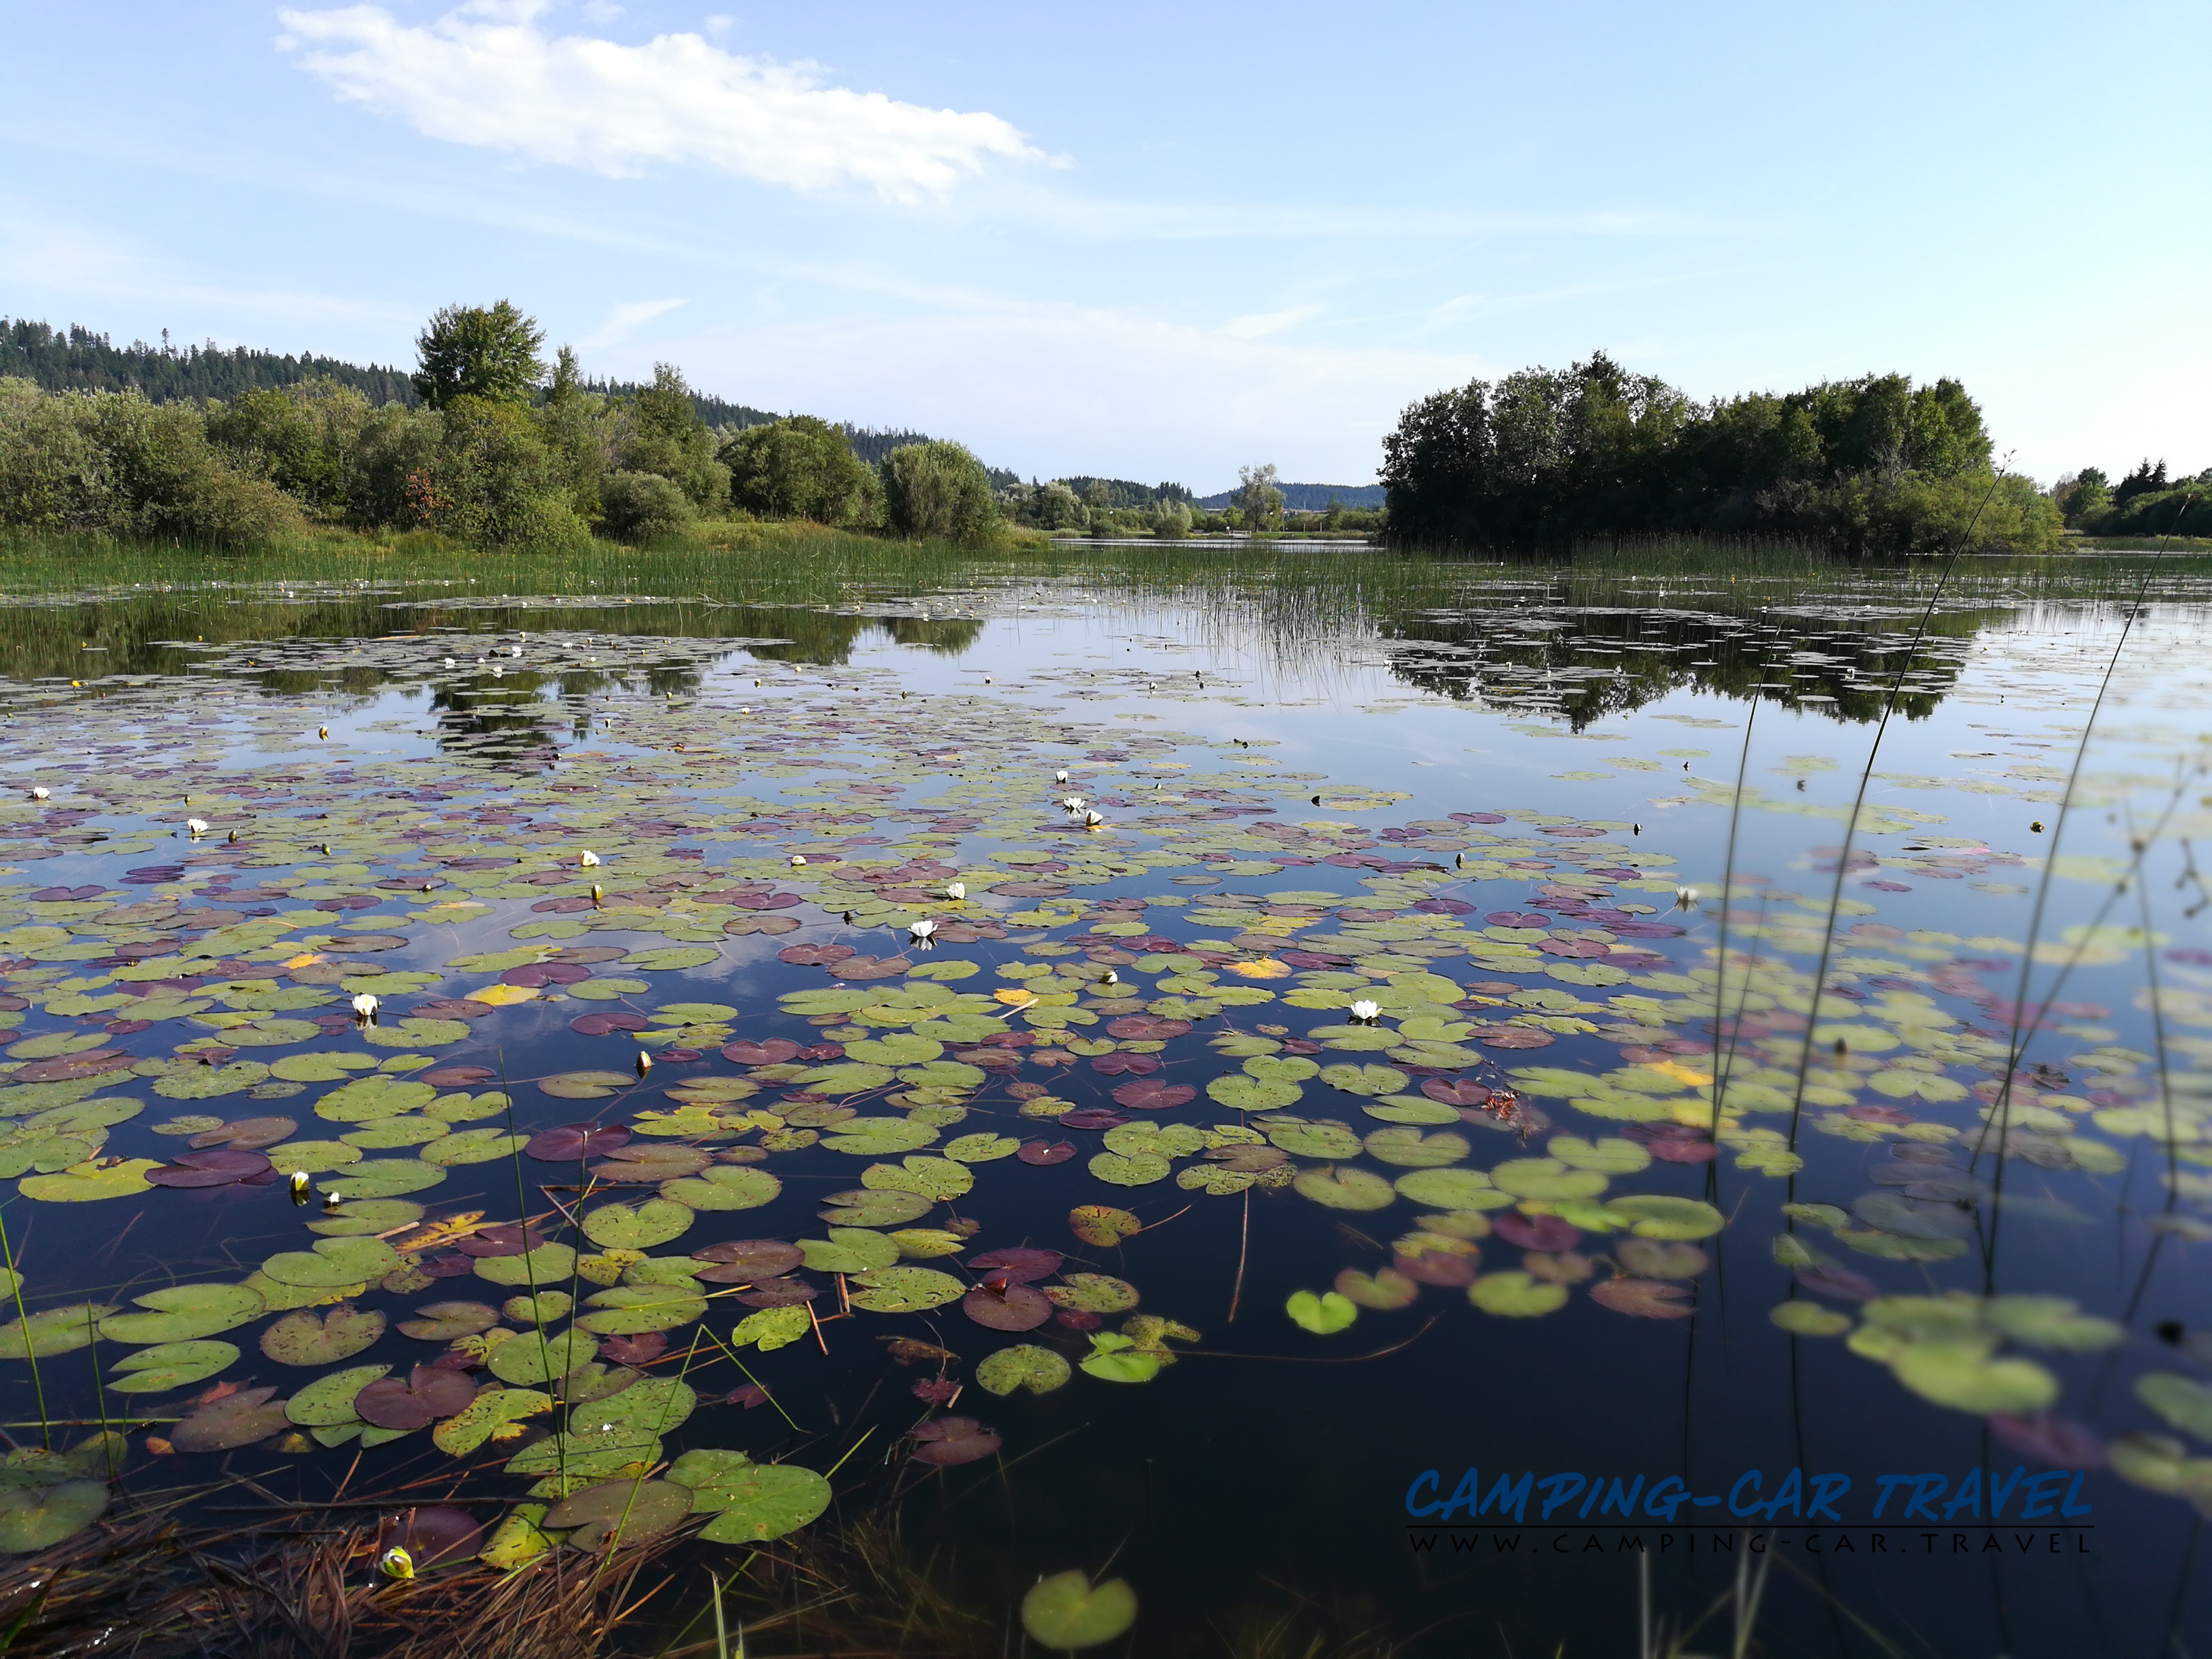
(625, 320)
(487, 75)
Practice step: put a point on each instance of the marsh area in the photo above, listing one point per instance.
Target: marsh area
(1092, 1226)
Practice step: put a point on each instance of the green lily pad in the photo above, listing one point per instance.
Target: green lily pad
(939, 1179)
(326, 1067)
(548, 1264)
(473, 1146)
(1116, 1358)
(408, 1129)
(905, 1289)
(1138, 1169)
(1613, 1155)
(532, 1358)
(1659, 1216)
(414, 1033)
(388, 1177)
(2054, 1323)
(1098, 1293)
(1346, 1189)
(332, 1262)
(37, 1517)
(1810, 1319)
(668, 958)
(314, 1157)
(1024, 1365)
(171, 1365)
(209, 1082)
(983, 1148)
(639, 1227)
(1454, 1189)
(846, 1077)
(328, 1401)
(1067, 1611)
(723, 1187)
(89, 1182)
(306, 1338)
(879, 1136)
(628, 1310)
(1324, 1315)
(366, 1099)
(1364, 1080)
(848, 1250)
(771, 1327)
(182, 1312)
(55, 1330)
(1322, 1138)
(2182, 1402)
(472, 1426)
(1409, 1149)
(1516, 1295)
(766, 1502)
(1964, 1379)
(1240, 1093)
(862, 1207)
(1546, 1178)
(545, 1307)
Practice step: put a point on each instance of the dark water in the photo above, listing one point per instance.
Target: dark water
(1445, 745)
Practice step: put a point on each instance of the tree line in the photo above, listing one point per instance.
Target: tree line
(493, 447)
(2145, 502)
(1546, 457)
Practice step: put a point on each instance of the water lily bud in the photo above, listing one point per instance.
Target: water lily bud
(644, 1062)
(232, 838)
(589, 861)
(322, 730)
(396, 1565)
(1112, 978)
(331, 1199)
(42, 794)
(2035, 828)
(797, 861)
(365, 1006)
(1459, 860)
(1685, 898)
(597, 895)
(298, 1183)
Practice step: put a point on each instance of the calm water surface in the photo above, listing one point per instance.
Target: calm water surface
(1603, 1193)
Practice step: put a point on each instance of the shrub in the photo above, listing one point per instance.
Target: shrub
(638, 507)
(802, 468)
(939, 489)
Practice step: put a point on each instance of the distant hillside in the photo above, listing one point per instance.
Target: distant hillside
(76, 359)
(1309, 498)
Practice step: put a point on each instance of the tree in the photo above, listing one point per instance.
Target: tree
(938, 490)
(480, 352)
(802, 468)
(662, 433)
(1258, 502)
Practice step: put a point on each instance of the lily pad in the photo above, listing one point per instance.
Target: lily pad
(1345, 1188)
(533, 1357)
(622, 1226)
(1516, 1295)
(905, 1289)
(38, 1517)
(1023, 1366)
(328, 1401)
(182, 1312)
(1659, 1216)
(53, 1331)
(332, 1262)
(723, 1187)
(611, 1512)
(171, 1365)
(1324, 1315)
(765, 1503)
(306, 1338)
(1067, 1612)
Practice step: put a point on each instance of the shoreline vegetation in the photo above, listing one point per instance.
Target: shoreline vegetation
(487, 445)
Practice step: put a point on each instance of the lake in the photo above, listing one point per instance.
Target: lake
(1389, 1105)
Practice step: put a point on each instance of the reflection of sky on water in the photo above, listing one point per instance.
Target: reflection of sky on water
(1206, 1476)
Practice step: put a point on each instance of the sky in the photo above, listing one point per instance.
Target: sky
(1152, 241)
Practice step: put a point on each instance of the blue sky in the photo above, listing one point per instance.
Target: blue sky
(1149, 240)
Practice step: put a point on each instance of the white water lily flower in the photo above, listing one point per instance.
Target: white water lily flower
(1112, 978)
(449, 662)
(589, 861)
(196, 827)
(514, 651)
(922, 931)
(955, 890)
(366, 1004)
(333, 1198)
(42, 794)
(797, 860)
(1093, 820)
(1073, 802)
(1060, 777)
(1366, 1011)
(1685, 898)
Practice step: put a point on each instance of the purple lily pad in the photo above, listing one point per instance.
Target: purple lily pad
(1041, 1152)
(1537, 1232)
(950, 1441)
(573, 1142)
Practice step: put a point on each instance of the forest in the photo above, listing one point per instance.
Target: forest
(486, 443)
(1595, 452)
